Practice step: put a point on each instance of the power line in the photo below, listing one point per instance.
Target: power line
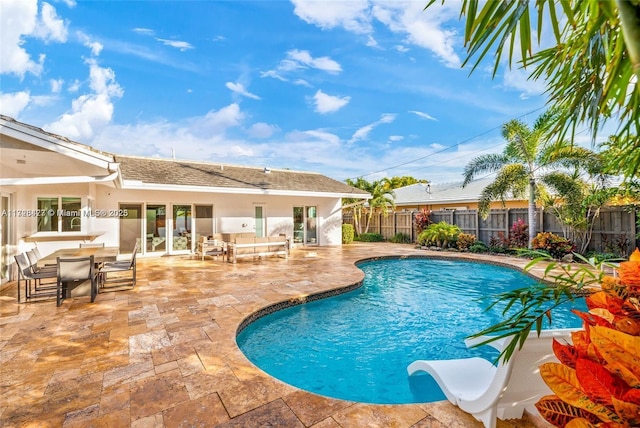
(448, 147)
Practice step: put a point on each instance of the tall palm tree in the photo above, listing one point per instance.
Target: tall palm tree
(529, 155)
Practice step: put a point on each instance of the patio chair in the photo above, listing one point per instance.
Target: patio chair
(33, 258)
(73, 274)
(91, 244)
(489, 392)
(29, 277)
(126, 270)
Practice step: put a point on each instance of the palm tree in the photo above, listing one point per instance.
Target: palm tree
(591, 71)
(528, 156)
(381, 198)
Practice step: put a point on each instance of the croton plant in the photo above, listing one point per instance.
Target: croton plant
(597, 380)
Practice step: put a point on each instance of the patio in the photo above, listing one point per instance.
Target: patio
(164, 354)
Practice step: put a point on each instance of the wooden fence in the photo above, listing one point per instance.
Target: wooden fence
(614, 231)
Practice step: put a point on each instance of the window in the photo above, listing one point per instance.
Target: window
(61, 214)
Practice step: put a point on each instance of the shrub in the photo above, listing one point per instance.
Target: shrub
(478, 247)
(439, 234)
(400, 238)
(369, 237)
(422, 220)
(499, 243)
(465, 241)
(348, 233)
(555, 245)
(519, 234)
(602, 363)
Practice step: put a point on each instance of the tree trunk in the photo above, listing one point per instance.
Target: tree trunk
(532, 211)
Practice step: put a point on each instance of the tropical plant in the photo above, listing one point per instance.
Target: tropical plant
(439, 234)
(528, 156)
(556, 246)
(465, 241)
(400, 238)
(478, 247)
(591, 72)
(397, 182)
(518, 234)
(597, 380)
(369, 237)
(422, 220)
(348, 233)
(381, 200)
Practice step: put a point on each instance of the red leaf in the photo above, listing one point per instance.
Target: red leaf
(598, 383)
(566, 354)
(591, 319)
(632, 396)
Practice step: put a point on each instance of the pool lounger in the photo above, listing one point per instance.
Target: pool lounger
(486, 391)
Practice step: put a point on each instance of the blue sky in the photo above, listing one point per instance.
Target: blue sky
(345, 88)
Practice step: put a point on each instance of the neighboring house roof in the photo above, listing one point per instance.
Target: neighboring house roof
(430, 194)
(162, 173)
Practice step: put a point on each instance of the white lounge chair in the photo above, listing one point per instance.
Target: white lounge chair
(489, 392)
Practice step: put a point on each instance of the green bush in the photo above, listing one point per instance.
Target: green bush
(400, 238)
(465, 240)
(348, 233)
(479, 247)
(555, 245)
(439, 234)
(369, 237)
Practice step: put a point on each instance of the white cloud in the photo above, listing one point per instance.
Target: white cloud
(70, 3)
(178, 44)
(351, 15)
(217, 122)
(144, 31)
(422, 28)
(396, 138)
(423, 115)
(262, 130)
(74, 86)
(517, 78)
(297, 60)
(14, 103)
(407, 17)
(302, 82)
(363, 132)
(305, 59)
(18, 19)
(96, 47)
(56, 85)
(328, 103)
(239, 89)
(49, 26)
(90, 112)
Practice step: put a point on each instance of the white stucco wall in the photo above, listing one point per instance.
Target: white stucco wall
(232, 213)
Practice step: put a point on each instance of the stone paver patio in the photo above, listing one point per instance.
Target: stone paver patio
(165, 355)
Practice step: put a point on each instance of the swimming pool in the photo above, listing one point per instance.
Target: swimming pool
(357, 345)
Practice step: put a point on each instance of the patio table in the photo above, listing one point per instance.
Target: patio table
(100, 254)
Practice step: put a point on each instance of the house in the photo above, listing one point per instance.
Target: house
(58, 193)
(448, 196)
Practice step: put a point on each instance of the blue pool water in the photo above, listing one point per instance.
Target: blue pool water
(357, 346)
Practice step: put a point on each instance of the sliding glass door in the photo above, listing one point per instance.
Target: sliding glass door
(305, 228)
(156, 228)
(130, 227)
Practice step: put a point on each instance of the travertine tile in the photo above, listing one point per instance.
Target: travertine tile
(164, 354)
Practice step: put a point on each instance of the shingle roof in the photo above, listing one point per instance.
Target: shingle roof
(206, 174)
(441, 193)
